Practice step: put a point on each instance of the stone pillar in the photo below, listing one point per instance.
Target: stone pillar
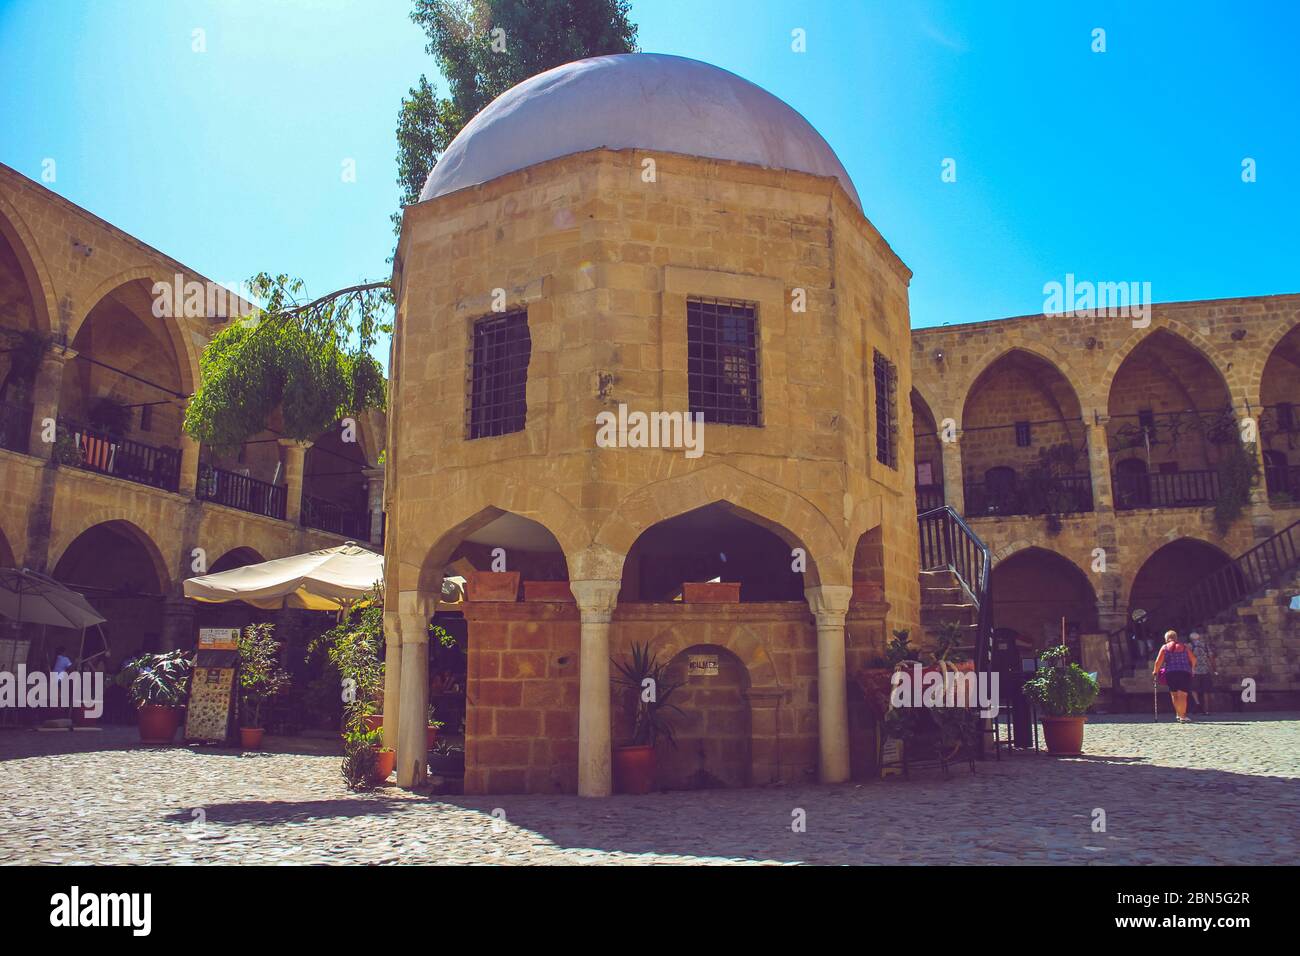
(295, 456)
(954, 491)
(375, 500)
(1103, 499)
(414, 608)
(177, 623)
(1259, 510)
(45, 397)
(596, 600)
(392, 678)
(189, 476)
(830, 604)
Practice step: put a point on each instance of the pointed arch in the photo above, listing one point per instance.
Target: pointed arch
(45, 307)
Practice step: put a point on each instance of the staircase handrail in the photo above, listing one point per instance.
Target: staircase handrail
(1261, 567)
(948, 543)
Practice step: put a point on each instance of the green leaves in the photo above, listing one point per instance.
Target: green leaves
(261, 676)
(1064, 689)
(157, 678)
(309, 359)
(484, 47)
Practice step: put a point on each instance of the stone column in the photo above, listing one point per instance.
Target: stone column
(392, 677)
(414, 608)
(954, 491)
(177, 623)
(1259, 510)
(189, 476)
(295, 456)
(375, 500)
(830, 604)
(1103, 499)
(596, 600)
(45, 397)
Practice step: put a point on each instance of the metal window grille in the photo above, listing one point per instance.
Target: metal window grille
(722, 361)
(886, 382)
(1024, 436)
(498, 375)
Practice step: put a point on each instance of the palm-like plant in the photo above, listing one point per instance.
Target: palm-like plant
(162, 679)
(644, 675)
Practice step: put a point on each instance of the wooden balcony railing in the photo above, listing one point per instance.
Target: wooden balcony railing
(1064, 494)
(928, 497)
(335, 518)
(94, 450)
(1178, 489)
(240, 491)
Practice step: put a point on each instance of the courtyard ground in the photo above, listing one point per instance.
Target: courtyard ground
(1223, 790)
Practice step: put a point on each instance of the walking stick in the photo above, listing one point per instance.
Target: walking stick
(1155, 699)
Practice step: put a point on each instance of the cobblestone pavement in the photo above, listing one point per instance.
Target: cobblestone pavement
(1220, 791)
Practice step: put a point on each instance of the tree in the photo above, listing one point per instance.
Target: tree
(484, 47)
(310, 359)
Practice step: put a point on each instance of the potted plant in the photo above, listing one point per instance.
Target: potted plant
(634, 764)
(447, 759)
(431, 732)
(158, 685)
(1065, 691)
(261, 679)
(353, 647)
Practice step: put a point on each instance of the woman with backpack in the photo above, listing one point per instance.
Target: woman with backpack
(1177, 661)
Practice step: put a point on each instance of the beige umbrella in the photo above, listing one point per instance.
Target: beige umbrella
(327, 580)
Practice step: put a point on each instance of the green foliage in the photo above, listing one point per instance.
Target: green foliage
(261, 675)
(644, 676)
(538, 35)
(162, 679)
(110, 416)
(1238, 469)
(949, 637)
(309, 359)
(1063, 688)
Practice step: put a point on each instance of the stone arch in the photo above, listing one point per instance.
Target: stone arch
(1232, 380)
(473, 506)
(182, 344)
(1042, 350)
(737, 639)
(1262, 356)
(123, 520)
(785, 513)
(45, 306)
(1034, 587)
(236, 557)
(1136, 562)
(1012, 548)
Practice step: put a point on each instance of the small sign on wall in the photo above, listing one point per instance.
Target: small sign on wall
(218, 638)
(702, 665)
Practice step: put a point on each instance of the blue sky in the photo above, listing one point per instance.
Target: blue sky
(1115, 166)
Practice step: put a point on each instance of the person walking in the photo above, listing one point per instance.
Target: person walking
(1203, 672)
(1178, 661)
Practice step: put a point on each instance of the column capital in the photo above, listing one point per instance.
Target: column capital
(829, 602)
(392, 628)
(596, 599)
(374, 474)
(295, 443)
(58, 352)
(414, 609)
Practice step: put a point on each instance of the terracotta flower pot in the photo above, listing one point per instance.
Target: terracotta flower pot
(548, 591)
(1063, 735)
(430, 735)
(158, 724)
(385, 760)
(715, 592)
(250, 738)
(374, 722)
(634, 769)
(498, 586)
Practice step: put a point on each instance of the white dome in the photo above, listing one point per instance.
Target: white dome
(645, 101)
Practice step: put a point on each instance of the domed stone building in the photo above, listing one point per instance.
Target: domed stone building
(647, 339)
